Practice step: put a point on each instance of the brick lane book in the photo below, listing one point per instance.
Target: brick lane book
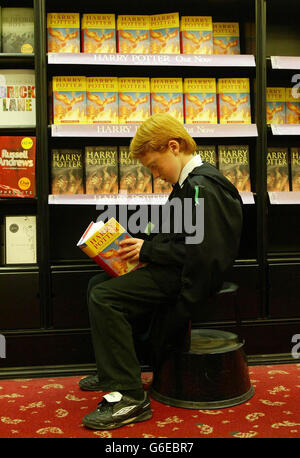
(234, 101)
(164, 34)
(200, 101)
(101, 169)
(101, 242)
(196, 35)
(102, 100)
(69, 99)
(292, 109)
(276, 105)
(67, 171)
(17, 30)
(17, 166)
(134, 99)
(234, 164)
(226, 38)
(98, 33)
(134, 177)
(17, 97)
(207, 153)
(133, 34)
(277, 169)
(295, 168)
(63, 32)
(167, 97)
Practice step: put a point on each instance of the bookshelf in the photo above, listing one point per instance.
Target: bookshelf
(45, 318)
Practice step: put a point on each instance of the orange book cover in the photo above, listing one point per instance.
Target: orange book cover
(63, 32)
(98, 32)
(66, 171)
(133, 34)
(167, 97)
(277, 169)
(101, 169)
(17, 166)
(226, 38)
(69, 99)
(134, 100)
(200, 100)
(234, 164)
(196, 35)
(275, 105)
(102, 100)
(134, 177)
(292, 109)
(234, 101)
(295, 168)
(164, 34)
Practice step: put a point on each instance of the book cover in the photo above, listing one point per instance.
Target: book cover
(196, 35)
(292, 109)
(63, 32)
(101, 170)
(69, 99)
(134, 177)
(207, 153)
(200, 101)
(226, 38)
(134, 100)
(295, 168)
(17, 166)
(20, 239)
(164, 34)
(234, 101)
(98, 32)
(277, 169)
(167, 97)
(101, 242)
(17, 30)
(161, 186)
(234, 164)
(133, 34)
(275, 105)
(17, 97)
(66, 171)
(102, 100)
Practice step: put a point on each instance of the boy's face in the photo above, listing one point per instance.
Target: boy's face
(166, 165)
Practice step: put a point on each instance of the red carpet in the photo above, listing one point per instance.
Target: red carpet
(54, 407)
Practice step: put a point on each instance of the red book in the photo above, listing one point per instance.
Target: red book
(17, 166)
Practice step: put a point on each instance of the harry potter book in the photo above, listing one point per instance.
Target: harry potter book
(207, 153)
(164, 34)
(102, 100)
(134, 177)
(17, 97)
(275, 105)
(69, 99)
(200, 101)
(167, 97)
(133, 34)
(66, 171)
(277, 169)
(292, 113)
(234, 164)
(63, 32)
(98, 32)
(17, 30)
(295, 168)
(134, 100)
(101, 242)
(226, 38)
(196, 35)
(101, 169)
(234, 101)
(17, 166)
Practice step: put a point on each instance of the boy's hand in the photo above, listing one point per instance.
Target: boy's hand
(130, 249)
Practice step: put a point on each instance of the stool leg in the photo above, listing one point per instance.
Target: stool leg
(238, 317)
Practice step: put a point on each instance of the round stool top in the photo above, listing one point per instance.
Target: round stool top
(213, 341)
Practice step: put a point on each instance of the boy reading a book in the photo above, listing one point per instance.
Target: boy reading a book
(182, 271)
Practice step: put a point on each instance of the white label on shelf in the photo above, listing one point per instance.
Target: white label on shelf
(247, 197)
(288, 198)
(285, 62)
(107, 199)
(285, 129)
(185, 60)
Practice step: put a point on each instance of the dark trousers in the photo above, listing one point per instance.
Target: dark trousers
(115, 306)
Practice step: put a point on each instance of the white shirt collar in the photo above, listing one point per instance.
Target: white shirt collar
(196, 161)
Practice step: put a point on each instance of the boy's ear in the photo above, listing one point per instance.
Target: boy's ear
(174, 146)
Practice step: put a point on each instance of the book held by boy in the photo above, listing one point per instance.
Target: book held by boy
(98, 33)
(101, 242)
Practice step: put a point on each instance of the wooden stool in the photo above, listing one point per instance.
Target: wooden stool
(212, 374)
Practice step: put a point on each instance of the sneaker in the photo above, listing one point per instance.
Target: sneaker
(90, 383)
(117, 410)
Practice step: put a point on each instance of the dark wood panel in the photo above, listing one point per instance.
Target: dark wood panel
(284, 295)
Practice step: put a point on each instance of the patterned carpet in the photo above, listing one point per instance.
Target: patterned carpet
(54, 407)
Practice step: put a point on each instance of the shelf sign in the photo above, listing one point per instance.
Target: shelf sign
(184, 60)
(285, 129)
(287, 198)
(107, 199)
(285, 62)
(247, 197)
